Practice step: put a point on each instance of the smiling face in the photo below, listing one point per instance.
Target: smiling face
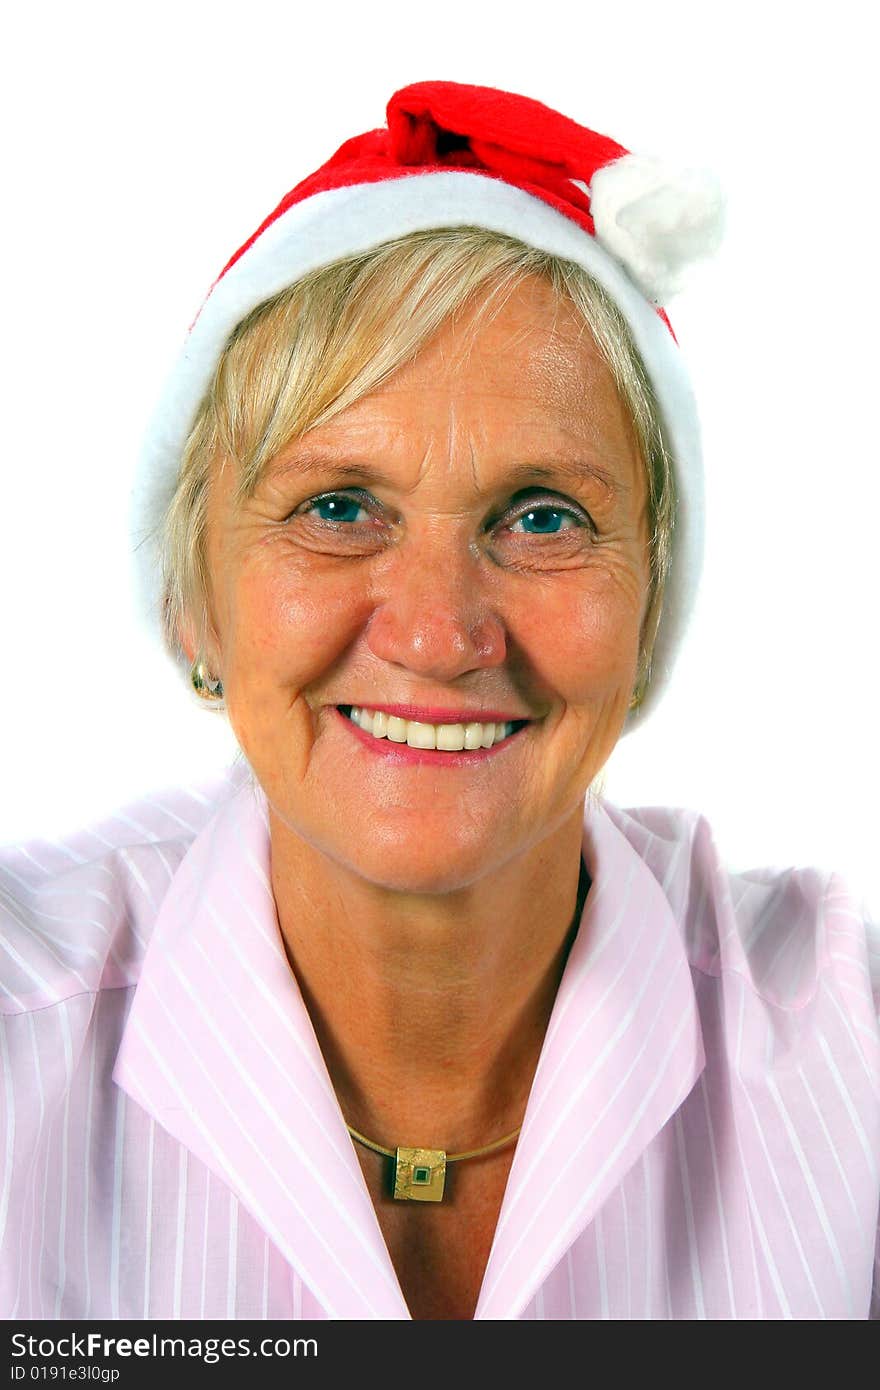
(472, 536)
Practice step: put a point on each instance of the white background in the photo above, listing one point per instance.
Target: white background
(144, 143)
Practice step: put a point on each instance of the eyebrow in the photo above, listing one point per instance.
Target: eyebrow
(335, 470)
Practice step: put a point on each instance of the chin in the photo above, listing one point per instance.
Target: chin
(407, 867)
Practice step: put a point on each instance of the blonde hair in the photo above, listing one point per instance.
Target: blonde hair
(335, 335)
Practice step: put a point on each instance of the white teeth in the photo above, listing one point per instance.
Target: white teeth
(448, 737)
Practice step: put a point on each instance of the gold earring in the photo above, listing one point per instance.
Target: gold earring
(206, 686)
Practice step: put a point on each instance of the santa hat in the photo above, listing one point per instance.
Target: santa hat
(457, 155)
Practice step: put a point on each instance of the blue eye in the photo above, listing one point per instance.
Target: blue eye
(339, 509)
(547, 519)
(336, 505)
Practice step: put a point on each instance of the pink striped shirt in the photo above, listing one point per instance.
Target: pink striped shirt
(702, 1139)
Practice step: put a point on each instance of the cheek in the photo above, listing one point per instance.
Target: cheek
(284, 625)
(582, 636)
(287, 625)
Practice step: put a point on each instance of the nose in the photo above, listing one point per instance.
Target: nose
(435, 616)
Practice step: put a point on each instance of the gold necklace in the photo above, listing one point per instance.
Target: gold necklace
(420, 1174)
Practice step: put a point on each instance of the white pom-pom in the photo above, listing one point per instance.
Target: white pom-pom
(656, 220)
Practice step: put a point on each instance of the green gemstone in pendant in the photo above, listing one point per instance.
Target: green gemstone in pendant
(419, 1175)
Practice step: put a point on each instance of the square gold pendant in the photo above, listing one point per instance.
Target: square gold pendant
(420, 1175)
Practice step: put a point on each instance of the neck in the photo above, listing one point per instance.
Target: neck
(430, 1009)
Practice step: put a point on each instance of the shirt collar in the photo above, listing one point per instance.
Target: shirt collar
(219, 1048)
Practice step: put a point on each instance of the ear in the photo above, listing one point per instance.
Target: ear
(199, 642)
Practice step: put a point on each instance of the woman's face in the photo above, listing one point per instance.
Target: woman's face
(469, 538)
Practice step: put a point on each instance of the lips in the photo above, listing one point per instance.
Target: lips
(405, 753)
(434, 714)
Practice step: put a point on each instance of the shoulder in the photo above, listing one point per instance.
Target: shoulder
(76, 912)
(787, 931)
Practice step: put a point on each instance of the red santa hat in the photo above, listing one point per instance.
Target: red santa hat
(458, 155)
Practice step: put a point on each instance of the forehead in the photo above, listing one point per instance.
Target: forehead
(508, 381)
(531, 350)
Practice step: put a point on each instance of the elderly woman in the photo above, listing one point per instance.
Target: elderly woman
(402, 1019)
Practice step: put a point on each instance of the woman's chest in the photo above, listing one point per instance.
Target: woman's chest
(440, 1250)
(118, 1219)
